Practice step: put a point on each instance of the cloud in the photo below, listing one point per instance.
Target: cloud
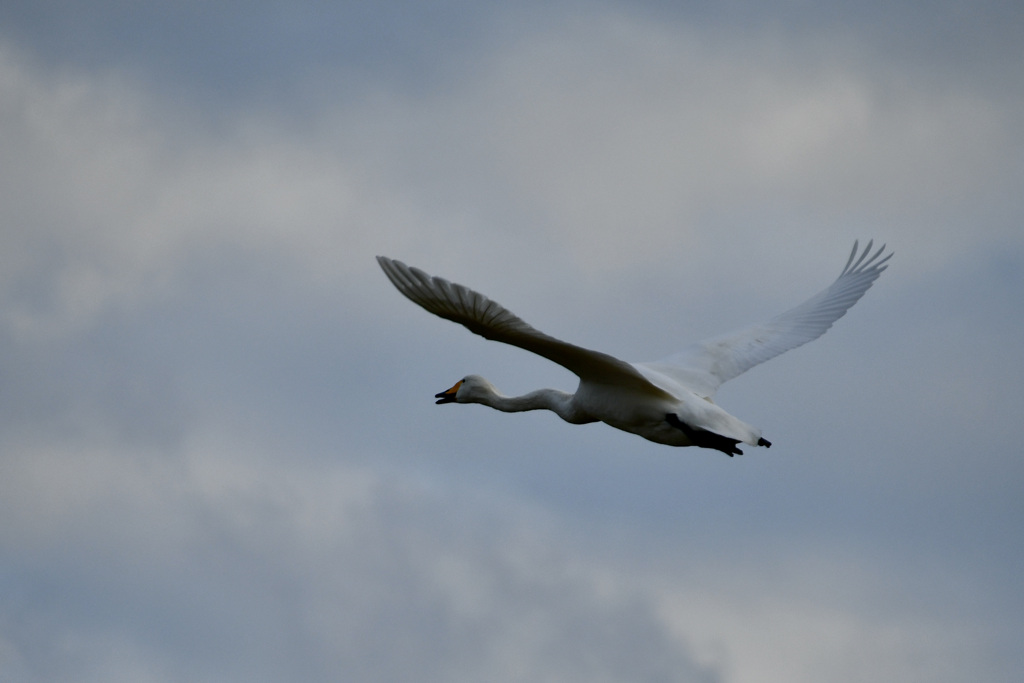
(612, 142)
(623, 142)
(118, 191)
(223, 558)
(220, 457)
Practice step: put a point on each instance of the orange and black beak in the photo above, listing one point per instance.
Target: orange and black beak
(448, 396)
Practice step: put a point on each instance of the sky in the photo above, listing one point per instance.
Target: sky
(220, 458)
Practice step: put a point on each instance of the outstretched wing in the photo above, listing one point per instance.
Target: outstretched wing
(493, 321)
(703, 367)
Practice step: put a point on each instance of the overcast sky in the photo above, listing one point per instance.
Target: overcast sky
(220, 458)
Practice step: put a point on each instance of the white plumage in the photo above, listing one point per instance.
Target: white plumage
(667, 401)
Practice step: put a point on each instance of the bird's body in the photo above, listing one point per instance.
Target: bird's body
(669, 401)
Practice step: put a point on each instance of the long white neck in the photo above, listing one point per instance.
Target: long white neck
(558, 402)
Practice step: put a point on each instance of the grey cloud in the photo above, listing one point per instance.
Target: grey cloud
(234, 567)
(220, 455)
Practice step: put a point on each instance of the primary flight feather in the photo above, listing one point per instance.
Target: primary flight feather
(667, 401)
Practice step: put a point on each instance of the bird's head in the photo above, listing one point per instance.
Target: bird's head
(469, 389)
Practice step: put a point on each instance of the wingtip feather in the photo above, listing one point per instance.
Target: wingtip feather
(866, 260)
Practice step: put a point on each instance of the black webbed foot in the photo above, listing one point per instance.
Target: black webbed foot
(704, 438)
(764, 442)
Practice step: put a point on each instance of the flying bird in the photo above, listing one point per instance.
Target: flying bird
(668, 401)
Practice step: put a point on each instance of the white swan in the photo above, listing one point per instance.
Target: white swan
(668, 401)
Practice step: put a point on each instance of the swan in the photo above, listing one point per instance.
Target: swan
(668, 401)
